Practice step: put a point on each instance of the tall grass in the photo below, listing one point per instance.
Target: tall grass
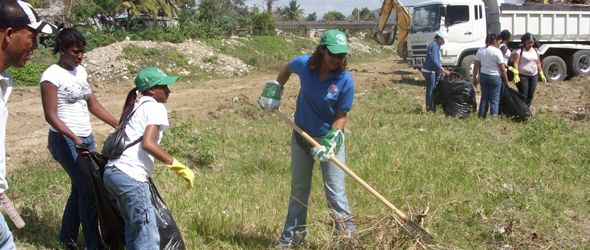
(485, 183)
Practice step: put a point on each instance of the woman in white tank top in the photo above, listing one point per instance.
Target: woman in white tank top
(527, 63)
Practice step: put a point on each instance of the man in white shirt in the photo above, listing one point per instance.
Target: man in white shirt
(19, 26)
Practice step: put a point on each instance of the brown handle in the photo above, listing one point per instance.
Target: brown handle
(341, 165)
(11, 211)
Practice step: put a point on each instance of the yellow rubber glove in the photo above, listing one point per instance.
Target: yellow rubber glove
(516, 78)
(542, 77)
(184, 172)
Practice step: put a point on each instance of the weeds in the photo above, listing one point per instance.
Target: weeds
(489, 183)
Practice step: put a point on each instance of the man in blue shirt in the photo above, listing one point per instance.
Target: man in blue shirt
(432, 68)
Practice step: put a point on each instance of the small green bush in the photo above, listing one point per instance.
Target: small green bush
(98, 38)
(147, 56)
(265, 53)
(28, 75)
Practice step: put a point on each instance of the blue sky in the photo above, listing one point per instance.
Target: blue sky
(322, 6)
(343, 6)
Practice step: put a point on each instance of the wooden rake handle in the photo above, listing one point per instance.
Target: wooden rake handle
(341, 165)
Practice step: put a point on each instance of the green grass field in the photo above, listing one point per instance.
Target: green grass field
(485, 183)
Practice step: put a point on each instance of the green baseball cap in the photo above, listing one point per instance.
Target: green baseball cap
(152, 76)
(335, 41)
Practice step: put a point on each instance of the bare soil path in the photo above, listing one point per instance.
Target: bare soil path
(27, 129)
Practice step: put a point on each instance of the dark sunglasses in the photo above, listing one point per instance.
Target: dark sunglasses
(339, 56)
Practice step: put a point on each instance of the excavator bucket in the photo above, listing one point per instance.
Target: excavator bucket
(399, 31)
(386, 37)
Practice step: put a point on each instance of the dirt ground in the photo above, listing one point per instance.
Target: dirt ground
(27, 129)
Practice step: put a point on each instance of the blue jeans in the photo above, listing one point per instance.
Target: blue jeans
(430, 84)
(527, 87)
(490, 94)
(133, 199)
(302, 163)
(6, 239)
(81, 205)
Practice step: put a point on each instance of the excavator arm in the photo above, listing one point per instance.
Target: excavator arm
(400, 30)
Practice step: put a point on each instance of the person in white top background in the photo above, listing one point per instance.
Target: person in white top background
(19, 27)
(490, 66)
(527, 63)
(67, 101)
(506, 51)
(126, 177)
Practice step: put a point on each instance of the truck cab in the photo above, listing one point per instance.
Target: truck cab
(463, 20)
(562, 30)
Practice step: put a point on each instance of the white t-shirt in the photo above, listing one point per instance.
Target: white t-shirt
(507, 54)
(527, 65)
(135, 161)
(5, 90)
(489, 58)
(72, 91)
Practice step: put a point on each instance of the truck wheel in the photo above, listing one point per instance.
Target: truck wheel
(581, 63)
(554, 68)
(467, 66)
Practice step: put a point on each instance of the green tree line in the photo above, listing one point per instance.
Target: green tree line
(208, 18)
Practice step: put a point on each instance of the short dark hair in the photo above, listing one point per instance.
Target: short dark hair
(505, 35)
(492, 37)
(66, 38)
(527, 36)
(12, 15)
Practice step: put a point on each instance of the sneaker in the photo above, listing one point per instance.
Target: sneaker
(297, 241)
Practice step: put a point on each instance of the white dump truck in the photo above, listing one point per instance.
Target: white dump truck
(563, 32)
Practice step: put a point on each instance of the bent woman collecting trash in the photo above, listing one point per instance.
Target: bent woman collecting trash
(126, 178)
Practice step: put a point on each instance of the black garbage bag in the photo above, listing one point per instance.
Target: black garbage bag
(457, 97)
(513, 105)
(111, 225)
(438, 91)
(170, 238)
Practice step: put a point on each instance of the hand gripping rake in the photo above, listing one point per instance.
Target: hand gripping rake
(410, 227)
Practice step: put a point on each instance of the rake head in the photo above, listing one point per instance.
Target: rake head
(416, 231)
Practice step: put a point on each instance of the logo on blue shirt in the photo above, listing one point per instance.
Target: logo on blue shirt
(332, 91)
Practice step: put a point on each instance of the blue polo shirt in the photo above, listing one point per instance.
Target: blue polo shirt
(318, 101)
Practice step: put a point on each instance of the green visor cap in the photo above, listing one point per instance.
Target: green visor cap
(152, 76)
(335, 41)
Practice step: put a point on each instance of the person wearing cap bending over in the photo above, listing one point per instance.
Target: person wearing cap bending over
(432, 68)
(126, 178)
(67, 100)
(325, 97)
(19, 27)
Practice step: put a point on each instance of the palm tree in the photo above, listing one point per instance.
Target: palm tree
(292, 12)
(154, 8)
(269, 6)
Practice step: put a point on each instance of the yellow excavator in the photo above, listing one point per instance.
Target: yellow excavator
(400, 30)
